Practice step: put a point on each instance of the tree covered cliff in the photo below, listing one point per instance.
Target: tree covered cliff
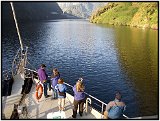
(137, 14)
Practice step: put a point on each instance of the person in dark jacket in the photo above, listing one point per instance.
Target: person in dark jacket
(79, 98)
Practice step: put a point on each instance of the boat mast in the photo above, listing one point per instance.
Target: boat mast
(14, 15)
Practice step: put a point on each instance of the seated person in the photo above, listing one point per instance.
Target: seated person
(115, 109)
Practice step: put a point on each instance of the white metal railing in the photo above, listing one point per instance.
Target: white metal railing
(103, 103)
(30, 70)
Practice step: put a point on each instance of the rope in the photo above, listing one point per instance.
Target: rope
(14, 16)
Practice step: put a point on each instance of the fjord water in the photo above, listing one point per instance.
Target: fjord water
(109, 58)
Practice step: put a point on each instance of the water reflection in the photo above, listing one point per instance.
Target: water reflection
(138, 51)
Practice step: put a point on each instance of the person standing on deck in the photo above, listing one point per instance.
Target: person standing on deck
(54, 81)
(43, 78)
(61, 89)
(115, 109)
(79, 98)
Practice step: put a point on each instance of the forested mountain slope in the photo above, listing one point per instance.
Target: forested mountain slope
(137, 14)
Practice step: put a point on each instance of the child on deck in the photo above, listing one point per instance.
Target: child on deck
(61, 89)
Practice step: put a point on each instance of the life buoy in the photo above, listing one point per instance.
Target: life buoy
(39, 89)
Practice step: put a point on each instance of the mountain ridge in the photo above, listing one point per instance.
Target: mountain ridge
(80, 9)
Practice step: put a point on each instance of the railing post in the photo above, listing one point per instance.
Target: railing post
(88, 100)
(86, 106)
(102, 109)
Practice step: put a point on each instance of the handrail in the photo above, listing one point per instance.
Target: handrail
(89, 95)
(31, 70)
(103, 103)
(93, 98)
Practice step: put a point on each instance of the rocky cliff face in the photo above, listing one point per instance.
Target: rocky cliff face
(80, 9)
(31, 11)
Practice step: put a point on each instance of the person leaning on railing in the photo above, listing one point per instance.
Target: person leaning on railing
(79, 98)
(115, 108)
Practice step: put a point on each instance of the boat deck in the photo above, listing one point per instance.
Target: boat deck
(9, 101)
(40, 110)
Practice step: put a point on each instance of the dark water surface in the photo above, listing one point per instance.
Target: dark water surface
(108, 58)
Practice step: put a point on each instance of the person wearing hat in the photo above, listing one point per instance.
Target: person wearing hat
(115, 108)
(43, 78)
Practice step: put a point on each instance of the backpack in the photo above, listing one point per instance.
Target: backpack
(61, 93)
